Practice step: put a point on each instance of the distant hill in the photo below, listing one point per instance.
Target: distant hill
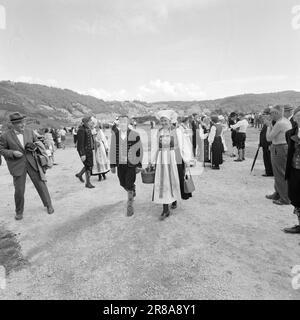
(50, 106)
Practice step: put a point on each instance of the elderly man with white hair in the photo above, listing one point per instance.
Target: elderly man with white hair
(277, 135)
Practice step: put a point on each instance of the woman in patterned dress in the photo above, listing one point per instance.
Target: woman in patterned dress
(171, 151)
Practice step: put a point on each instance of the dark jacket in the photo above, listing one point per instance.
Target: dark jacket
(85, 140)
(134, 149)
(263, 142)
(9, 142)
(294, 123)
(291, 150)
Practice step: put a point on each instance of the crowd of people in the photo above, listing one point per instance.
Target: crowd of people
(176, 143)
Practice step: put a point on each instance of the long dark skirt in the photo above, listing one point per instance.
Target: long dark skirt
(294, 187)
(206, 151)
(233, 138)
(181, 173)
(240, 140)
(217, 150)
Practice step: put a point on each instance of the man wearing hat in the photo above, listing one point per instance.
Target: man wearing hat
(277, 135)
(20, 162)
(288, 113)
(292, 173)
(266, 144)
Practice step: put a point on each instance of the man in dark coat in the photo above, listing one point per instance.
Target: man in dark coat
(85, 147)
(20, 162)
(266, 145)
(126, 154)
(292, 173)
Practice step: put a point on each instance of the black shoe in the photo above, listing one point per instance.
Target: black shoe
(216, 168)
(19, 216)
(266, 175)
(273, 196)
(164, 215)
(174, 205)
(238, 160)
(294, 230)
(104, 176)
(99, 177)
(280, 202)
(89, 185)
(50, 210)
(79, 177)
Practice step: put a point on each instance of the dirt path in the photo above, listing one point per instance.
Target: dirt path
(226, 242)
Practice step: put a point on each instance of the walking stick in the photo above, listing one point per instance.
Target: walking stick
(254, 160)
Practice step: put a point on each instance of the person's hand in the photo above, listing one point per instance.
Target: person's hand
(138, 170)
(83, 158)
(113, 170)
(17, 154)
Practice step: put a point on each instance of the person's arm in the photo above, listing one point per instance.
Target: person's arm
(154, 146)
(4, 150)
(80, 143)
(212, 134)
(236, 126)
(273, 131)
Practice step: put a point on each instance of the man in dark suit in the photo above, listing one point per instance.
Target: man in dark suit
(292, 173)
(126, 154)
(288, 113)
(20, 162)
(266, 145)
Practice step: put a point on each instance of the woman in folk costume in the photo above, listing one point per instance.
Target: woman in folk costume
(215, 141)
(100, 153)
(205, 125)
(49, 144)
(224, 129)
(171, 150)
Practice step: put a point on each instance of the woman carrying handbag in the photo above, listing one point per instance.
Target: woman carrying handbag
(170, 151)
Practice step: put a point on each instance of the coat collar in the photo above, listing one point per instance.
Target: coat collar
(14, 135)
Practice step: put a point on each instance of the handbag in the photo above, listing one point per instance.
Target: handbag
(189, 186)
(148, 175)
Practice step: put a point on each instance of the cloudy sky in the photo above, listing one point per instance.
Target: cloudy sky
(152, 50)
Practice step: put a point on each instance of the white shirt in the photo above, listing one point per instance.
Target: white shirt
(242, 124)
(20, 136)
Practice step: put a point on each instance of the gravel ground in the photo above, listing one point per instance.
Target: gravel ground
(224, 243)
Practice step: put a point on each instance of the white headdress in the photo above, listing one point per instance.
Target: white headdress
(169, 114)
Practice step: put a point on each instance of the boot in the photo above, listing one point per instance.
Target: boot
(243, 154)
(88, 182)
(79, 175)
(130, 210)
(174, 205)
(166, 212)
(240, 158)
(103, 176)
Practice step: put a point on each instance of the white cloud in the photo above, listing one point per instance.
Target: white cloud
(106, 95)
(28, 79)
(155, 90)
(164, 90)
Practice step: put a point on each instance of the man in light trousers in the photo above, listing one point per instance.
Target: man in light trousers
(276, 133)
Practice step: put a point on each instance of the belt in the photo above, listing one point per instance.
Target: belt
(279, 144)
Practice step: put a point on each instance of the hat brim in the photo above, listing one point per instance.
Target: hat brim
(18, 119)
